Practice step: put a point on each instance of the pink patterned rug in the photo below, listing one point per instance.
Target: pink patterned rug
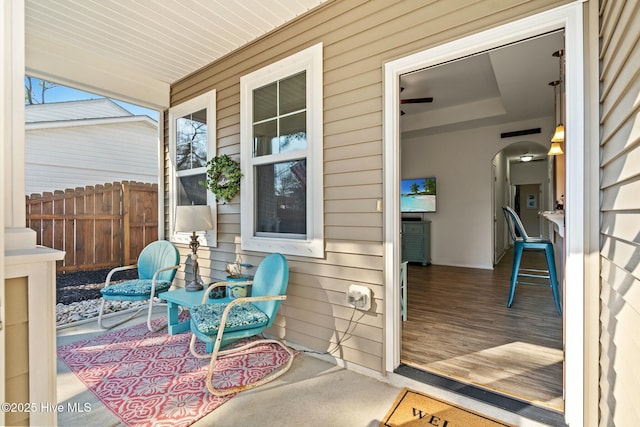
(151, 379)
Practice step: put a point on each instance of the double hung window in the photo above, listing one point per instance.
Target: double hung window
(281, 156)
(191, 144)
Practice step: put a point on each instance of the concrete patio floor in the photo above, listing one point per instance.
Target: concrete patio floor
(314, 392)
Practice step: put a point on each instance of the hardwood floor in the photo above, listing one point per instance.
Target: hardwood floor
(459, 326)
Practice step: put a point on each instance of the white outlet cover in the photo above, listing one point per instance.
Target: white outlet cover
(359, 296)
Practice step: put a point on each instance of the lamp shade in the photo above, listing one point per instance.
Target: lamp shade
(558, 135)
(555, 149)
(193, 218)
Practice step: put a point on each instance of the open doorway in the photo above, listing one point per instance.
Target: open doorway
(568, 18)
(466, 108)
(527, 202)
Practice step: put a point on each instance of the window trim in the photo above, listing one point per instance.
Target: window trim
(309, 60)
(205, 101)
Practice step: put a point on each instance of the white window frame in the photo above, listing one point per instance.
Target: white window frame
(205, 101)
(310, 61)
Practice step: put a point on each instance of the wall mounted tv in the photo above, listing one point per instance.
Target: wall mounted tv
(418, 195)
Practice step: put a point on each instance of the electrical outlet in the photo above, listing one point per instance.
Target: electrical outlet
(359, 297)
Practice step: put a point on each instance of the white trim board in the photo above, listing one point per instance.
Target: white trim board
(570, 18)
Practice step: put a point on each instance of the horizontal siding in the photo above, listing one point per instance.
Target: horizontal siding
(358, 37)
(622, 226)
(16, 336)
(350, 192)
(61, 158)
(343, 156)
(620, 221)
(620, 196)
(350, 247)
(74, 110)
(346, 140)
(350, 164)
(622, 168)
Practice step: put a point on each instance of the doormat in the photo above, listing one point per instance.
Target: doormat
(414, 409)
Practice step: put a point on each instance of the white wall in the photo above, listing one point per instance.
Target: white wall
(533, 173)
(500, 198)
(462, 228)
(528, 173)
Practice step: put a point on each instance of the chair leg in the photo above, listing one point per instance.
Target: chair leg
(517, 258)
(553, 277)
(192, 348)
(136, 312)
(149, 313)
(216, 353)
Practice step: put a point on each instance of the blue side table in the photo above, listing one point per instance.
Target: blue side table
(177, 298)
(181, 297)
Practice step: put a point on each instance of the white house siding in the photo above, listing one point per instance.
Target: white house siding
(79, 152)
(358, 37)
(73, 110)
(620, 221)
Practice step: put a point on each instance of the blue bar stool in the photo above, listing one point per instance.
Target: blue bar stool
(523, 242)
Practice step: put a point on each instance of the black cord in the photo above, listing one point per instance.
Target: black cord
(337, 345)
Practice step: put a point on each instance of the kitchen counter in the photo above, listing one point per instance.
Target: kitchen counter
(557, 218)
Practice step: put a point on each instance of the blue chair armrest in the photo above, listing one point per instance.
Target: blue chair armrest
(115, 270)
(155, 276)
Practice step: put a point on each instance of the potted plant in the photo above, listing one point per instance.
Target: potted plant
(234, 271)
(235, 274)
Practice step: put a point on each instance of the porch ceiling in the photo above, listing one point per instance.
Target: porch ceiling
(134, 51)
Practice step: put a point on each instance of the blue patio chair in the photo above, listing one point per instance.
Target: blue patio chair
(157, 266)
(523, 242)
(223, 323)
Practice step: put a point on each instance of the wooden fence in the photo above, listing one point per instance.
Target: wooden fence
(99, 227)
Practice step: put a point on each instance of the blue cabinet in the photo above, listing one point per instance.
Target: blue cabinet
(416, 241)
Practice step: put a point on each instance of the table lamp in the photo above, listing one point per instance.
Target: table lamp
(194, 218)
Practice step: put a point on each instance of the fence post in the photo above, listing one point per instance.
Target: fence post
(126, 221)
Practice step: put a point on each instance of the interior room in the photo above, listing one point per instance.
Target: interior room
(480, 129)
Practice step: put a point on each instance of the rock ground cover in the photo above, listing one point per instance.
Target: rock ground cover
(78, 295)
(84, 285)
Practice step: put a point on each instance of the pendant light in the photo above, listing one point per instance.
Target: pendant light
(555, 149)
(558, 135)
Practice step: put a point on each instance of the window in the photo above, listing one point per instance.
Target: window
(281, 156)
(191, 144)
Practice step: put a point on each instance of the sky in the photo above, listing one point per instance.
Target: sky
(63, 93)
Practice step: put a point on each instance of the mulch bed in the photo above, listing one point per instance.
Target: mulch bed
(86, 285)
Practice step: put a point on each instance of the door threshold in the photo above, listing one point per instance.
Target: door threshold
(517, 406)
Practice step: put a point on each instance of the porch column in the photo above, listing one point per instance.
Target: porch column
(27, 271)
(17, 236)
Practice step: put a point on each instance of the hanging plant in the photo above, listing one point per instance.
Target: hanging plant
(223, 178)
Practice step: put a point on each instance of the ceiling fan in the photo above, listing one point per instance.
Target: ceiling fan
(414, 101)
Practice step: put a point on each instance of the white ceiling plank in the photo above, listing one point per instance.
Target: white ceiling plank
(152, 42)
(237, 15)
(95, 76)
